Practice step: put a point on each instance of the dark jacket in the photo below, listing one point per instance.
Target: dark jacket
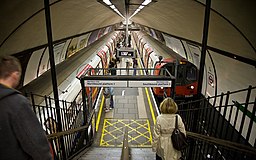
(21, 135)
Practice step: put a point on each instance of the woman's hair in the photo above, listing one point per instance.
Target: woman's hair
(8, 65)
(168, 106)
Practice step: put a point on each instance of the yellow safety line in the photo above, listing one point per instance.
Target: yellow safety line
(149, 101)
(150, 106)
(149, 131)
(102, 134)
(99, 114)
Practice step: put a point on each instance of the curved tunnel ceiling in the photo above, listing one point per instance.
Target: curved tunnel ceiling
(232, 25)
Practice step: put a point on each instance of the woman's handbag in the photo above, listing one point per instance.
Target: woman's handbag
(179, 139)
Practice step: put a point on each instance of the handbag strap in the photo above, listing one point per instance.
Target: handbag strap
(176, 122)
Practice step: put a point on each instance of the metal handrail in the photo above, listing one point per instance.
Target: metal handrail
(224, 143)
(125, 149)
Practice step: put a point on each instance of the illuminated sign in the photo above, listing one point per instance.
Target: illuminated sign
(126, 53)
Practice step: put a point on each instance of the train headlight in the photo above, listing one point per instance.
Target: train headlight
(192, 87)
(162, 87)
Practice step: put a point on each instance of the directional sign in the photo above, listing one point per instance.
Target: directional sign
(105, 83)
(108, 83)
(149, 83)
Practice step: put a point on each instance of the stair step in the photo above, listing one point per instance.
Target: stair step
(100, 153)
(142, 154)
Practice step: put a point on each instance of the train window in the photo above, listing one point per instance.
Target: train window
(180, 71)
(191, 73)
(170, 69)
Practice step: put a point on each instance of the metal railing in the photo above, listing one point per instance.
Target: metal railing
(222, 119)
(74, 133)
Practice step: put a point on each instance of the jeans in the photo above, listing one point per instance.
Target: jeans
(111, 101)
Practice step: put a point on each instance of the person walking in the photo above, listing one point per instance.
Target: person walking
(165, 124)
(21, 135)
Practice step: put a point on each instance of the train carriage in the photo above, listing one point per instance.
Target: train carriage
(157, 56)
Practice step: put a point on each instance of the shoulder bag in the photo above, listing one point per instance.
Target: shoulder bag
(179, 139)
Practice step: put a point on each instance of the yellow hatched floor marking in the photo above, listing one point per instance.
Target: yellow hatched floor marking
(139, 132)
(150, 138)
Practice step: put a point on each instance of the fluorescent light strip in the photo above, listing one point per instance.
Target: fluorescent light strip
(107, 2)
(140, 7)
(146, 2)
(113, 6)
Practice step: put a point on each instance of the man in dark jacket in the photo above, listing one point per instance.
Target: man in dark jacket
(21, 135)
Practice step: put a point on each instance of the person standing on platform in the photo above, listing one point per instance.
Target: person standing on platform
(135, 64)
(165, 124)
(116, 50)
(21, 135)
(112, 66)
(109, 93)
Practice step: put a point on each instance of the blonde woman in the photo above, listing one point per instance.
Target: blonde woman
(165, 124)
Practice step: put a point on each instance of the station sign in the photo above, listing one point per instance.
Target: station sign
(126, 53)
(149, 83)
(139, 84)
(104, 83)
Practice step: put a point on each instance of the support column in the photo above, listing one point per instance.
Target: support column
(85, 109)
(127, 19)
(204, 46)
(193, 146)
(53, 73)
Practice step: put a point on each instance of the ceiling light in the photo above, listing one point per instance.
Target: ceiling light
(107, 2)
(140, 7)
(146, 2)
(112, 6)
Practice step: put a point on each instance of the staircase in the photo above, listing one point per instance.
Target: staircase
(100, 153)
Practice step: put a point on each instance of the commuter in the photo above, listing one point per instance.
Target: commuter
(127, 66)
(116, 50)
(135, 64)
(112, 66)
(21, 135)
(165, 124)
(109, 93)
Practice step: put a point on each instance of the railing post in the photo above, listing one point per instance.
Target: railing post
(85, 110)
(251, 121)
(245, 112)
